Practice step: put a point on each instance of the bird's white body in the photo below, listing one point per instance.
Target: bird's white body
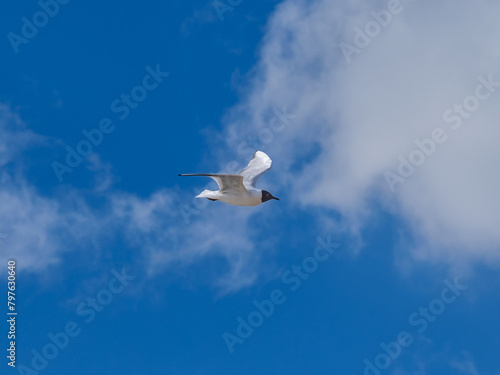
(239, 189)
(252, 197)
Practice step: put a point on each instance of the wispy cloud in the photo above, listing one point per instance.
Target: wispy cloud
(465, 365)
(40, 230)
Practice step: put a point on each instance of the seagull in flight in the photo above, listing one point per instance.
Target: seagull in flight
(239, 189)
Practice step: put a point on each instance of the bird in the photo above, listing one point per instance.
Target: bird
(239, 189)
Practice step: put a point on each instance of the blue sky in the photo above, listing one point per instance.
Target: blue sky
(381, 118)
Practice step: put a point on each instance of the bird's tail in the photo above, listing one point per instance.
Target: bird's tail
(206, 194)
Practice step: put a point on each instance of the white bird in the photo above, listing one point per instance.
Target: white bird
(239, 189)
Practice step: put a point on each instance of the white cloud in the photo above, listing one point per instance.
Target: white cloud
(466, 366)
(14, 137)
(354, 120)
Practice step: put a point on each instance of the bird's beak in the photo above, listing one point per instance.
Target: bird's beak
(276, 198)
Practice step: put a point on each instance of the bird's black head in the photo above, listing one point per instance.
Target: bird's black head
(267, 196)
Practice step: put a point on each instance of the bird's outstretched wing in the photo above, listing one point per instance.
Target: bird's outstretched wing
(259, 165)
(226, 182)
